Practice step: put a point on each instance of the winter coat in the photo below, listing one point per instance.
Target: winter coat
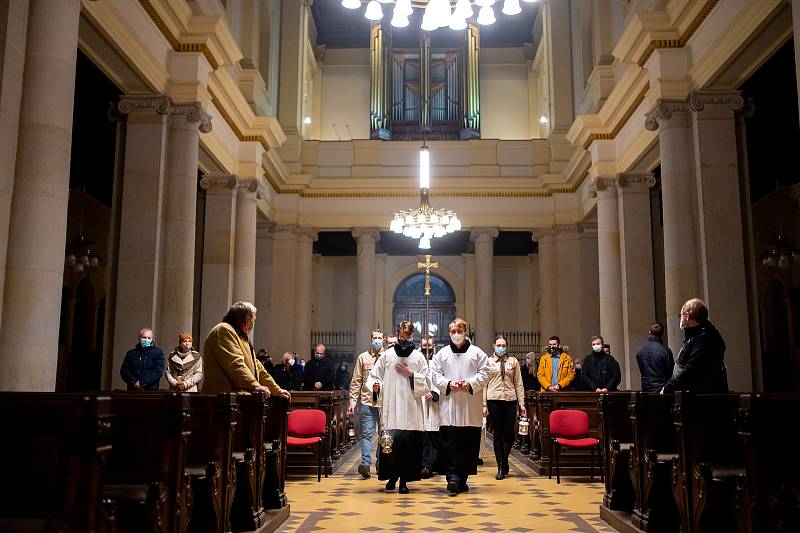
(701, 363)
(601, 371)
(231, 365)
(321, 370)
(655, 364)
(184, 367)
(288, 376)
(145, 365)
(566, 371)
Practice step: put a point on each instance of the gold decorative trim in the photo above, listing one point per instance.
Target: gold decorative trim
(172, 40)
(620, 123)
(681, 41)
(232, 124)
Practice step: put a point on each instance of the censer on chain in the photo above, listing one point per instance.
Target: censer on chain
(386, 442)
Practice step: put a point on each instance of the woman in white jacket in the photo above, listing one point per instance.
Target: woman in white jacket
(184, 366)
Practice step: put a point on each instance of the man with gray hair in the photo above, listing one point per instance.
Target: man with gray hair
(144, 363)
(230, 360)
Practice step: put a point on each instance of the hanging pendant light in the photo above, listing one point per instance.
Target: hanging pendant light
(374, 11)
(484, 3)
(486, 16)
(351, 4)
(463, 9)
(403, 7)
(457, 23)
(511, 7)
(399, 20)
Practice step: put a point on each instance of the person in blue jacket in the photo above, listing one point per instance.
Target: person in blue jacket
(144, 364)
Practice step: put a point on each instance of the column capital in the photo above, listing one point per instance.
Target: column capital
(285, 231)
(468, 259)
(631, 179)
(249, 188)
(483, 234)
(542, 234)
(140, 106)
(366, 234)
(216, 183)
(193, 111)
(663, 111)
(305, 234)
(733, 99)
(601, 186)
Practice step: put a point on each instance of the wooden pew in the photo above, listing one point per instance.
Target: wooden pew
(617, 440)
(274, 481)
(146, 474)
(654, 449)
(767, 494)
(247, 512)
(55, 448)
(212, 424)
(709, 461)
(303, 462)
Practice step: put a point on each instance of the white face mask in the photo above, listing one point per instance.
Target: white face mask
(457, 338)
(291, 362)
(597, 348)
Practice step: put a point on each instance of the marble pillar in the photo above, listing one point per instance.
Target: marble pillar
(304, 289)
(140, 234)
(720, 238)
(679, 196)
(609, 267)
(577, 285)
(484, 285)
(638, 284)
(282, 296)
(180, 211)
(383, 320)
(535, 288)
(548, 291)
(365, 282)
(263, 282)
(38, 216)
(244, 255)
(469, 288)
(12, 46)
(294, 39)
(556, 24)
(218, 239)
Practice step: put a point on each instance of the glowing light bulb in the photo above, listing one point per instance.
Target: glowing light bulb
(486, 16)
(374, 11)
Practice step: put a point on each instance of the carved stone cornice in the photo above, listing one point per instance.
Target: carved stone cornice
(305, 234)
(368, 234)
(663, 110)
(698, 100)
(476, 234)
(143, 104)
(219, 182)
(627, 179)
(193, 111)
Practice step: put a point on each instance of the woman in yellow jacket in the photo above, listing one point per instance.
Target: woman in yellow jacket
(561, 379)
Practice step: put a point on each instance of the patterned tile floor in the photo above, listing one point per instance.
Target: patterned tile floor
(522, 502)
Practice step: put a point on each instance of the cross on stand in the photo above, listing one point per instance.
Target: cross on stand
(427, 265)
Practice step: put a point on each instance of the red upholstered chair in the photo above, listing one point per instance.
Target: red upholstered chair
(569, 427)
(306, 427)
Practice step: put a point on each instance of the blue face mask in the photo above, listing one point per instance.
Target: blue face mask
(500, 350)
(377, 344)
(146, 343)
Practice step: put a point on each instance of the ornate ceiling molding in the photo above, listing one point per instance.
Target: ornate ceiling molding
(684, 37)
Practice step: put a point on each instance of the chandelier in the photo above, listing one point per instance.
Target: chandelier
(82, 256)
(425, 223)
(781, 256)
(438, 13)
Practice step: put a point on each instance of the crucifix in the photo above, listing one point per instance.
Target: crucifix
(427, 265)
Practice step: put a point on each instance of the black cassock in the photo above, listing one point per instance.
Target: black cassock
(405, 461)
(459, 449)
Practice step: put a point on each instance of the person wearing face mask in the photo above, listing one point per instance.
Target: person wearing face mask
(400, 378)
(320, 371)
(459, 371)
(144, 364)
(430, 405)
(368, 409)
(600, 370)
(556, 370)
(185, 366)
(286, 374)
(700, 366)
(230, 360)
(503, 393)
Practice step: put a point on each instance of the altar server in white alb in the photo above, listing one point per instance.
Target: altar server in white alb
(401, 378)
(461, 370)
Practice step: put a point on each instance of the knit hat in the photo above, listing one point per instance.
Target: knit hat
(185, 336)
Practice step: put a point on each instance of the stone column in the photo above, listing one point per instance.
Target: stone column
(678, 190)
(294, 39)
(14, 18)
(365, 282)
(180, 211)
(548, 290)
(38, 217)
(721, 242)
(638, 285)
(282, 297)
(263, 282)
(140, 236)
(244, 256)
(218, 239)
(609, 266)
(303, 289)
(381, 319)
(484, 284)
(469, 288)
(535, 288)
(556, 24)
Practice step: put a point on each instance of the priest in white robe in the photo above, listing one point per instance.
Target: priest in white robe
(401, 378)
(430, 404)
(461, 370)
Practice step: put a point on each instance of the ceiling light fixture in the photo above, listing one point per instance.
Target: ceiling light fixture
(374, 11)
(437, 13)
(351, 4)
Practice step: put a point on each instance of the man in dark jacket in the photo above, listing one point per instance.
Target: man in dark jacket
(600, 370)
(655, 360)
(320, 373)
(144, 364)
(701, 363)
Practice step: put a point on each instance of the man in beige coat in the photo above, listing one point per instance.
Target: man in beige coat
(229, 359)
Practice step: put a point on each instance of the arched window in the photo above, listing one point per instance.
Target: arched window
(409, 304)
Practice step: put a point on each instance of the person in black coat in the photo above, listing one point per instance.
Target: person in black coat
(320, 373)
(600, 370)
(529, 381)
(655, 360)
(287, 374)
(144, 364)
(701, 362)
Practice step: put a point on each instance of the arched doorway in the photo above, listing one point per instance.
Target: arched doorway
(409, 304)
